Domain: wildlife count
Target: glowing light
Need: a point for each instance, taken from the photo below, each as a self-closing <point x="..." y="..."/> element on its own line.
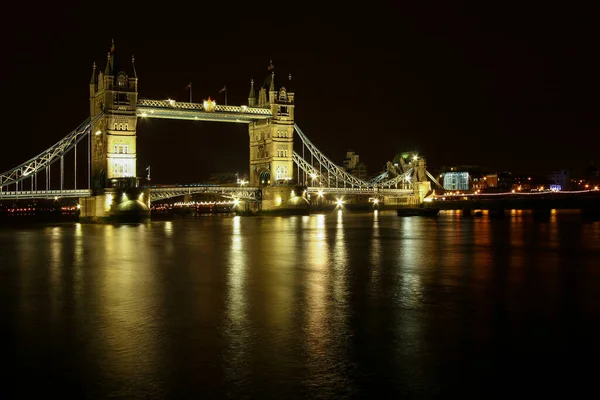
<point x="375" y="201"/>
<point x="109" y="199"/>
<point x="340" y="201"/>
<point x="78" y="206"/>
<point x="171" y="102"/>
<point x="236" y="202"/>
<point x="55" y="197"/>
<point x="244" y="108"/>
<point x="143" y="115"/>
<point x="209" y="105"/>
<point x="141" y="197"/>
<point x="278" y="201"/>
<point x="314" y="176"/>
<point x="98" y="133"/>
<point x="320" y="193"/>
<point x="415" y="157"/>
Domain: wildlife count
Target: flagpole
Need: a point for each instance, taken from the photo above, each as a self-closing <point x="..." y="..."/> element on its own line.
<point x="225" y="95"/>
<point x="190" y="92"/>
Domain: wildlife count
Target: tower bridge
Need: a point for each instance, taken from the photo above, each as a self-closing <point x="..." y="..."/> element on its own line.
<point x="280" y="178"/>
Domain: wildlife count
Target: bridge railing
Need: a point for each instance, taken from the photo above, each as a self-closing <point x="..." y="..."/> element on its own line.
<point x="45" y="193"/>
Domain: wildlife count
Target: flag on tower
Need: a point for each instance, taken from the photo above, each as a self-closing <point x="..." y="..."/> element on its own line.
<point x="224" y="89"/>
<point x="189" y="86"/>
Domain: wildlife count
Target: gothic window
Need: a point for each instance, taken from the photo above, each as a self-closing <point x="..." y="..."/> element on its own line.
<point x="115" y="126"/>
<point x="126" y="127"/>
<point x="283" y="110"/>
<point x="282" y="95"/>
<point x="122" y="81"/>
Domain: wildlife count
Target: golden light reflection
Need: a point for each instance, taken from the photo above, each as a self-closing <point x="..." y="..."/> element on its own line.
<point x="375" y="249"/>
<point x="317" y="284"/>
<point x="55" y="264"/>
<point x="168" y="228"/>
<point x="412" y="256"/>
<point x="340" y="262"/>
<point x="236" y="275"/>
<point x="483" y="252"/>
<point x="127" y="304"/>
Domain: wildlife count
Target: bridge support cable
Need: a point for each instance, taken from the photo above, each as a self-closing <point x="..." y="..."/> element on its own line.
<point x="378" y="178"/>
<point x="402" y="178"/>
<point x="329" y="165"/>
<point x="44" y="160"/>
<point x="434" y="180"/>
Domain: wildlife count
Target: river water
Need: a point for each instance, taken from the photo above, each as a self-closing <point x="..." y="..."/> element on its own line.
<point x="336" y="305"/>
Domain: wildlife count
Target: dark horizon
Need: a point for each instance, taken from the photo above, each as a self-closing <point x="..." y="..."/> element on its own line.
<point x="506" y="88"/>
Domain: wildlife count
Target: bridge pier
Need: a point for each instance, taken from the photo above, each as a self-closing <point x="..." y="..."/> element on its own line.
<point x="116" y="205"/>
<point x="284" y="200"/>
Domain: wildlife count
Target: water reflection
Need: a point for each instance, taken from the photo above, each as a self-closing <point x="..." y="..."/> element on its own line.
<point x="339" y="261"/>
<point x="283" y="307"/>
<point x="236" y="321"/>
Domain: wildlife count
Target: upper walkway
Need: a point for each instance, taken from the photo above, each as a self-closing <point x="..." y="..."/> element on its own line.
<point x="171" y="109"/>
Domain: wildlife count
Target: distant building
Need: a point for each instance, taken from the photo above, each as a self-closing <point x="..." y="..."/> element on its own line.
<point x="354" y="166"/>
<point x="505" y="180"/>
<point x="492" y="180"/>
<point x="455" y="180"/>
<point x="559" y="179"/>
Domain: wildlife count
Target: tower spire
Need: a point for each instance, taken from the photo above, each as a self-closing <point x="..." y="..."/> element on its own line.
<point x="108" y="69"/>
<point x="252" y="94"/>
<point x="93" y="80"/>
<point x="272" y="86"/>
<point x="133" y="66"/>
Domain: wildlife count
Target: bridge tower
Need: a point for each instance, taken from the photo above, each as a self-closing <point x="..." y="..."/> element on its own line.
<point x="271" y="141"/>
<point x="114" y="92"/>
<point x="115" y="188"/>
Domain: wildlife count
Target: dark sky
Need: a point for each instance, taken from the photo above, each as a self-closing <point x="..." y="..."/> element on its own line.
<point x="508" y="86"/>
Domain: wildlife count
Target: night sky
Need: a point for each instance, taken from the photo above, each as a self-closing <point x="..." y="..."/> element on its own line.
<point x="507" y="86"/>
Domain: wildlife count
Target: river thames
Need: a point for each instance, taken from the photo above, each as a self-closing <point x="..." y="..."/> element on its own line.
<point x="334" y="305"/>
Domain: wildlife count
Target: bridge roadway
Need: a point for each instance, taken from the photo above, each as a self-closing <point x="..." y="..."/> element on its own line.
<point x="517" y="201"/>
<point x="171" y="109"/>
<point x="164" y="192"/>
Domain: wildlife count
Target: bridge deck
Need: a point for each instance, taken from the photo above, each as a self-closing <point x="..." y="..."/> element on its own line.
<point x="171" y="109"/>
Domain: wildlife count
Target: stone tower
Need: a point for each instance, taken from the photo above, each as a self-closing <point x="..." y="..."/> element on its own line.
<point x="114" y="92"/>
<point x="271" y="141"/>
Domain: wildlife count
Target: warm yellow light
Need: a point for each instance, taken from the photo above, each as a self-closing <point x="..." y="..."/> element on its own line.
<point x="320" y="193"/>
<point x="415" y="157"/>
<point x="314" y="176"/>
<point x="209" y="105"/>
<point x="278" y="201"/>
<point x="143" y="115"/>
<point x="375" y="201"/>
<point x="78" y="206"/>
<point x="141" y="197"/>
<point x="236" y="202"/>
<point x="98" y="133"/>
<point x="340" y="202"/>
<point x="244" y="108"/>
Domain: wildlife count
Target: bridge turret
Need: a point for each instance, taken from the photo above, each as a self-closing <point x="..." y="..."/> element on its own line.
<point x="93" y="88"/>
<point x="252" y="95"/>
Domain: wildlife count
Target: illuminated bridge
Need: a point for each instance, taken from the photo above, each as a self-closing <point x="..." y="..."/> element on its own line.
<point x="100" y="155"/>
